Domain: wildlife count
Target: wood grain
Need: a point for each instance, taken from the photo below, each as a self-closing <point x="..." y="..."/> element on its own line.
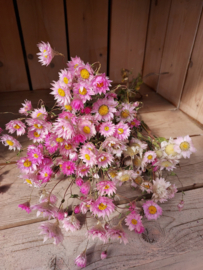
<point x="13" y="75"/>
<point x="155" y="40"/>
<point x="192" y="99"/>
<point x="182" y="26"/>
<point x="128" y="35"/>
<point x="87" y="28"/>
<point x="166" y="243"/>
<point x="43" y="20"/>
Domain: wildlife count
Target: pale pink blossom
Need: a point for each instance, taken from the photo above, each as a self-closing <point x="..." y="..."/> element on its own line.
<point x="16" y="126"/>
<point x="52" y="230"/>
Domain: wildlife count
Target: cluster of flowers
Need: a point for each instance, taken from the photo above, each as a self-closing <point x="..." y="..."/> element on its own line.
<point x="93" y="141"/>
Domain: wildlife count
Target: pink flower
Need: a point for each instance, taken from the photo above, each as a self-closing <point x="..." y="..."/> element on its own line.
<point x="126" y="113"/>
<point x="68" y="147"/>
<point x="68" y="167"/>
<point x="61" y="93"/>
<point x="77" y="209"/>
<point x="103" y="255"/>
<point x="36" y="136"/>
<point x="102" y="207"/>
<point x="180" y="205"/>
<point x="146" y="186"/>
<point x="104" y="159"/>
<point x="85" y="188"/>
<point x="86" y="128"/>
<point x="16" y="125"/>
<point x="74" y="64"/>
<point x="149" y="157"/>
<point x="47" y="209"/>
<point x="26" y="165"/>
<point x="185" y="145"/>
<point x="84" y="71"/>
<point x="27" y="106"/>
<point x="47" y="197"/>
<point x="98" y="231"/>
<point x="134" y="222"/>
<point x="45" y="174"/>
<point x="52" y="230"/>
<point x="79" y="138"/>
<point x="104" y="109"/>
<point x="46" y="53"/>
<point x="83" y="90"/>
<point x="106" y="188"/>
<point x="51" y="143"/>
<point x="171" y="191"/>
<point x="25" y="206"/>
<point x="65" y="78"/>
<point x="79" y="182"/>
<point x="114" y="146"/>
<point x="107" y="129"/>
<point x="81" y="260"/>
<point x="77" y="104"/>
<point x="88" y="157"/>
<point x="82" y="170"/>
<point x="118" y="234"/>
<point x="122" y="131"/>
<point x="35" y="154"/>
<point x="159" y="189"/>
<point x="11" y="142"/>
<point x="71" y="224"/>
<point x="38" y="125"/>
<point x="40" y="114"/>
<point x="134" y="123"/>
<point x="64" y="129"/>
<point x="86" y="110"/>
<point x="101" y="84"/>
<point x="1" y="130"/>
<point x="59" y="215"/>
<point x="152" y="210"/>
<point x="85" y="205"/>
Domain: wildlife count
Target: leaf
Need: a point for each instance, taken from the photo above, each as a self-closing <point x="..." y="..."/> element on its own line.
<point x="161" y="139"/>
<point x="74" y="196"/>
<point x="172" y="174"/>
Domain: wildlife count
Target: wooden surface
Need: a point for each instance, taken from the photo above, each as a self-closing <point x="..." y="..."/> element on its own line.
<point x="158" y="20"/>
<point x="12" y="67"/>
<point x="87" y="28"/>
<point x="128" y="35"/>
<point x="174" y="241"/>
<point x="192" y="98"/>
<point x="43" y="21"/>
<point x="183" y="22"/>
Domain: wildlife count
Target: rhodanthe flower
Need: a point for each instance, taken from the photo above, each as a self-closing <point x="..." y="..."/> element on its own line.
<point x="27" y="106"/>
<point x="71" y="224"/>
<point x="185" y="145"/>
<point x="98" y="231"/>
<point x="152" y="210"/>
<point x="46" y="53"/>
<point x="102" y="207"/>
<point x="16" y="126"/>
<point x="104" y="109"/>
<point x="106" y="188"/>
<point x="134" y="222"/>
<point x="52" y="230"/>
<point x="81" y="260"/>
<point x="11" y="142"/>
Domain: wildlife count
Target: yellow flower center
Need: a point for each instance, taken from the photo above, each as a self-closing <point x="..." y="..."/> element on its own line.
<point x="68" y="167"/>
<point x="87" y="156"/>
<point x="132" y="123"/>
<point x="65" y="79"/>
<point x="146" y="186"/>
<point x="29" y="181"/>
<point x="27" y="163"/>
<point x="39" y="114"/>
<point x="103" y="158"/>
<point x="106" y="128"/>
<point x="36" y="134"/>
<point x="61" y="92"/>
<point x="102" y="206"/>
<point x="134" y="221"/>
<point x="106" y="187"/>
<point x="38" y="126"/>
<point x="46" y="174"/>
<point x="86" y="129"/>
<point x="170" y="150"/>
<point x="125" y="177"/>
<point x="138" y="180"/>
<point x="152" y="209"/>
<point x="103" y="110"/>
<point x="184" y="146"/>
<point x="84" y="73"/>
<point x="83" y="170"/>
<point x="45" y="55"/>
<point x="119" y="236"/>
<point x="60" y="140"/>
<point x="9" y="142"/>
<point x="75" y="65"/>
<point x="150" y="157"/>
<point x="120" y="130"/>
<point x="83" y="91"/>
<point x="68" y="107"/>
<point x="100" y="84"/>
<point x="16" y="126"/>
<point x="35" y="155"/>
<point x="68" y="146"/>
<point x="113" y="174"/>
<point x="125" y="114"/>
<point x="87" y="205"/>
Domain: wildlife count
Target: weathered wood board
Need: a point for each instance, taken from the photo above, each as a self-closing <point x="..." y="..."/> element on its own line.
<point x="183" y="22"/>
<point x="87" y="28"/>
<point x="13" y="75"/>
<point x="174" y="240"/>
<point x="43" y="20"/>
<point x="128" y="37"/>
<point x="158" y="19"/>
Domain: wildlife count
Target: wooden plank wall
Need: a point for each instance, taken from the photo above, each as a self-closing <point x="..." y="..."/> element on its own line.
<point x="148" y="36"/>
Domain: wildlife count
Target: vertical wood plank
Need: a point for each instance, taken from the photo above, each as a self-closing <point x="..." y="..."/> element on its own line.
<point x="43" y="20"/>
<point x="87" y="27"/>
<point x="128" y="34"/>
<point x="13" y="75"/>
<point x="155" y="40"/>
<point x="182" y="25"/>
<point x="192" y="98"/>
